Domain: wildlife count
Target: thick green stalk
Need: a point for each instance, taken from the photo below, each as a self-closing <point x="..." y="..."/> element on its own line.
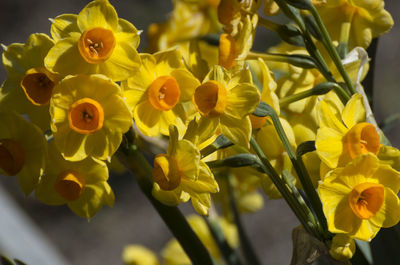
<point x="299" y="167"/>
<point x="327" y="41"/>
<point x="282" y="188"/>
<point x="131" y="157"/>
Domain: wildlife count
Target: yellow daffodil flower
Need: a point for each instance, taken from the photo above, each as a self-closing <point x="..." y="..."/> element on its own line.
<point x="29" y="85"/>
<point x="361" y="198"/>
<point x="94" y="42"/>
<point x="180" y="175"/>
<point x="22" y="150"/>
<point x="343" y="134"/>
<point x="81" y="185"/>
<point x="161" y="93"/>
<point x="225" y="102"/>
<point x="355" y="21"/>
<point x="138" y="255"/>
<point x="88" y="117"/>
<point x="173" y="254"/>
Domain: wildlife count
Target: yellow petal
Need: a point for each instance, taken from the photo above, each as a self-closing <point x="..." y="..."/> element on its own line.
<point x="329" y="116"/>
<point x="123" y="62"/>
<point x="187" y="157"/>
<point x="243" y="99"/>
<point x="389" y="213"/>
<point x="147" y="118"/>
<point x="63" y="25"/>
<point x="98" y="13"/>
<point x="354" y="111"/>
<point x="236" y="130"/>
<point x="170" y="198"/>
<point x="329" y="146"/>
<point x="187" y="83"/>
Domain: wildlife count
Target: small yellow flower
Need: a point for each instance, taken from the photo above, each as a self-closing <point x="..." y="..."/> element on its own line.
<point x="94" y="42"/>
<point x="180" y="175"/>
<point x="173" y="254"/>
<point x="363" y="19"/>
<point x="343" y="134"/>
<point x="161" y="93"/>
<point x="225" y="102"/>
<point x="89" y="116"/>
<point x="29" y="85"/>
<point x="361" y="198"/>
<point x="22" y="150"/>
<point x="81" y="185"/>
<point x="138" y="255"/>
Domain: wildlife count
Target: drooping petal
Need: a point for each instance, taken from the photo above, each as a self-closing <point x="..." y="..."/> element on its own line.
<point x="236" y="130"/>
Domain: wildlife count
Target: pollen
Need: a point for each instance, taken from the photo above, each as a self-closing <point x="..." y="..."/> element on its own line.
<point x="70" y="185"/>
<point x="366" y="199"/>
<point x="96" y="45"/>
<point x="362" y="138"/>
<point x="86" y="116"/>
<point x="164" y="93"/>
<point x="166" y="172"/>
<point x="12" y="156"/>
<point x="38" y="84"/>
<point x="210" y="99"/>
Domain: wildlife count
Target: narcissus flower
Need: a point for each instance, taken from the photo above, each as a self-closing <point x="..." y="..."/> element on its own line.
<point x="225" y="102"/>
<point x="361" y="198"/>
<point x="29" y="85"/>
<point x="81" y="185"/>
<point x="361" y="20"/>
<point x="161" y="93"/>
<point x="180" y="175"/>
<point x="22" y="150"/>
<point x="173" y="254"/>
<point x="94" y="42"/>
<point x="343" y="134"/>
<point x="88" y="117"/>
<point x="139" y="255"/>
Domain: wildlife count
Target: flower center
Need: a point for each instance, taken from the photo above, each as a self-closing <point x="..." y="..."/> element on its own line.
<point x="38" y="84"/>
<point x="366" y="199"/>
<point x="12" y="156"/>
<point x="70" y="185"/>
<point x="227" y="51"/>
<point x="96" y="45"/>
<point x="210" y="99"/>
<point x="86" y="116"/>
<point x="164" y="93"/>
<point x="166" y="172"/>
<point x="362" y="138"/>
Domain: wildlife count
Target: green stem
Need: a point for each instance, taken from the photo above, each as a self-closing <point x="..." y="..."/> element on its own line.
<point x="319" y="89"/>
<point x="172" y="216"/>
<point x="282" y="188"/>
<point x="327" y="41"/>
<point x="268" y="24"/>
<point x="227" y="252"/>
<point x="299" y="60"/>
<point x="300" y="169"/>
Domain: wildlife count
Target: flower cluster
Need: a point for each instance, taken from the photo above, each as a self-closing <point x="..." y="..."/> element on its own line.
<point x="294" y="121"/>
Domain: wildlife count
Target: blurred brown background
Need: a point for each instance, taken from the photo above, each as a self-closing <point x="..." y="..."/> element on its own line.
<point x="132" y="220"/>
